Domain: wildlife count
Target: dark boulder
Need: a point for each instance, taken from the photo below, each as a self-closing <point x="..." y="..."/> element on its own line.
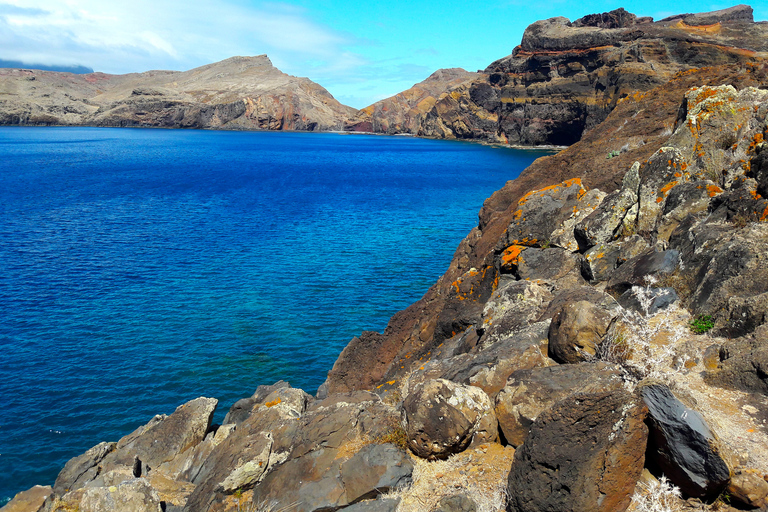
<point x="374" y="470"/>
<point x="443" y="418"/>
<point x="584" y="454"/>
<point x="577" y="331"/>
<point x="682" y="445"/>
<point x="660" y="298"/>
<point x="456" y="503"/>
<point x="529" y="393"/>
<point x="636" y="272"/>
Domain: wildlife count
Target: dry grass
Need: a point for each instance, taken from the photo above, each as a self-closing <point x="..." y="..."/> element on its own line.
<point x="478" y="473"/>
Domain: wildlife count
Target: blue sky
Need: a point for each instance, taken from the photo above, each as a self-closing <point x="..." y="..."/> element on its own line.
<point x="361" y="51"/>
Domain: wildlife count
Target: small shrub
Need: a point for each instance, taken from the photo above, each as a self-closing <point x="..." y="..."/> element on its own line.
<point x="394" y="434"/>
<point x="613" y="154"/>
<point x="657" y="496"/>
<point x="702" y="324"/>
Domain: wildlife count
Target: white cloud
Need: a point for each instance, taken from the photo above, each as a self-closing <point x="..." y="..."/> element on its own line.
<point x="120" y="37"/>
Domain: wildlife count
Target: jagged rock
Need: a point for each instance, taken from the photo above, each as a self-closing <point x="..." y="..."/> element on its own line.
<point x="635" y="272"/>
<point x="659" y="298"/>
<point x="561" y="268"/>
<point x="456" y="503"/>
<point x="578" y="294"/>
<point x="443" y="418"/>
<point x="742" y="363"/>
<point x="135" y="495"/>
<point x="188" y="465"/>
<point x="84" y="468"/>
<point x="615" y="214"/>
<point x="584" y="454"/>
<point x="241" y="409"/>
<point x="488" y="366"/>
<point x="529" y="393"/>
<point x="513" y="306"/>
<point x="748" y="488"/>
<point x="540" y="213"/>
<point x="31" y="500"/>
<point x="375" y="470"/>
<point x="682" y="445"/>
<point x="726" y="273"/>
<point x="576" y="332"/>
<point x="165" y="437"/>
<point x="683" y="200"/>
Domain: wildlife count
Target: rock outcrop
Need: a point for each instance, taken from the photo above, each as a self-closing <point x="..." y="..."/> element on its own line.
<point x="561" y="363"/>
<point x="566" y="77"/>
<point x="240" y="93"/>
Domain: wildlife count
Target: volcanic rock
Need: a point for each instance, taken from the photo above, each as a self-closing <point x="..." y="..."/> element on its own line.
<point x="584" y="454"/>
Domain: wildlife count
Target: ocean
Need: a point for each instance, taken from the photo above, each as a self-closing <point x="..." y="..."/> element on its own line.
<point x="142" y="268"/>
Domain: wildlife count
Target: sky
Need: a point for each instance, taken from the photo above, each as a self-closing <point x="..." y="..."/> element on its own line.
<point x="360" y="50"/>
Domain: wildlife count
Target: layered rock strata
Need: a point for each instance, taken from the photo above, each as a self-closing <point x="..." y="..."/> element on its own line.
<point x="566" y="77"/>
<point x="240" y="93"/>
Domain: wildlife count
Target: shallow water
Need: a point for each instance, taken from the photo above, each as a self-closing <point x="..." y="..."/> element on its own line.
<point x="140" y="269"/>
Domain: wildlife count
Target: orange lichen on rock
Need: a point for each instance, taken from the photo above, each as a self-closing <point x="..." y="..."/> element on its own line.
<point x="511" y="255"/>
<point x="756" y="140"/>
<point x="713" y="190"/>
<point x="663" y="191"/>
<point x="274" y="402"/>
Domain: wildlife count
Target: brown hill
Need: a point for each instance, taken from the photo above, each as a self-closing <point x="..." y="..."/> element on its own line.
<point x="566" y="77"/>
<point x="246" y="93"/>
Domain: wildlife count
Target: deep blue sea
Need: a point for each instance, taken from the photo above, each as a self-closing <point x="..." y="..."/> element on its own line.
<point x="140" y="269"/>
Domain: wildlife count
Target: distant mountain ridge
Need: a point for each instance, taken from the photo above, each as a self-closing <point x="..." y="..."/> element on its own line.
<point x="240" y="93"/>
<point x="566" y="77"/>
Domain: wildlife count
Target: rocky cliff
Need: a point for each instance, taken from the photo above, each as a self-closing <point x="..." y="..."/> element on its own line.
<point x="565" y="77"/>
<point x="597" y="344"/>
<point x="240" y="93"/>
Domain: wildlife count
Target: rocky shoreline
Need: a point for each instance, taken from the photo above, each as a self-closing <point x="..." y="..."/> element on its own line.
<point x="597" y="344"/>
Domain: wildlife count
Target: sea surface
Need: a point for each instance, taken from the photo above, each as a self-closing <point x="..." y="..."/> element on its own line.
<point x="140" y="268"/>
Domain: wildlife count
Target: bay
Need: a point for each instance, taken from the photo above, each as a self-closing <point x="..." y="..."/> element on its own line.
<point x="141" y="268"/>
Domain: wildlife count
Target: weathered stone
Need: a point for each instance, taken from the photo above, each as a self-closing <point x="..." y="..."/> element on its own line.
<point x="602" y="259"/>
<point x="165" y="437"/>
<point x="616" y="213"/>
<point x="741" y="363"/>
<point x="488" y="366"/>
<point x="79" y="470"/>
<point x="188" y="465"/>
<point x="443" y="418"/>
<point x="31" y="500"/>
<point x="134" y="495"/>
<point x="378" y="505"/>
<point x="585" y="454"/>
<point x="727" y="273"/>
<point x="682" y="445"/>
<point x="456" y="503"/>
<point x="576" y="332"/>
<point x="660" y="298"/>
<point x="513" y="306"/>
<point x="562" y="268"/>
<point x="529" y="393"/>
<point x="374" y="470"/>
<point x="243" y="407"/>
<point x="748" y="488"/>
<point x="250" y="471"/>
<point x="540" y="213"/>
<point x="635" y="272"/>
<point x="683" y="200"/>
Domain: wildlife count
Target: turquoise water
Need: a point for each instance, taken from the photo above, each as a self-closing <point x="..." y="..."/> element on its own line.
<point x="140" y="269"/>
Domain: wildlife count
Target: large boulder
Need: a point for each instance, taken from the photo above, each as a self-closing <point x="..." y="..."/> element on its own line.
<point x="742" y="363"/>
<point x="443" y="418"/>
<point x="584" y="454"/>
<point x="651" y="264"/>
<point x="82" y="469"/>
<point x="529" y="393"/>
<point x="577" y="331"/>
<point x="683" y="446"/>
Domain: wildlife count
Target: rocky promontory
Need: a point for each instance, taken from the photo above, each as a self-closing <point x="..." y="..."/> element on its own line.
<point x="240" y="93"/>
<point x="565" y="77"/>
<point x="598" y="343"/>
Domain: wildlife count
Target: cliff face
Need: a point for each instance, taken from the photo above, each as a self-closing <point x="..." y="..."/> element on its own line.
<point x="580" y="336"/>
<point x="245" y="93"/>
<point x="565" y="77"/>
